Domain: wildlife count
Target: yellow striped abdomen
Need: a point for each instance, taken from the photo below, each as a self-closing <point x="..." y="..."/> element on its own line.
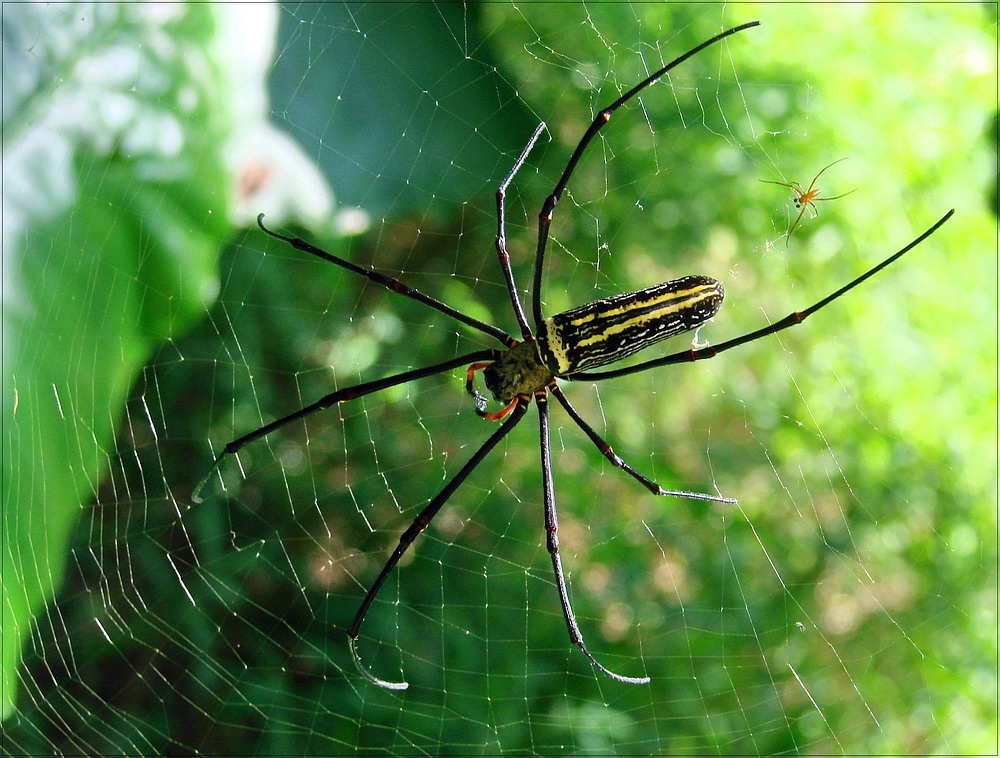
<point x="608" y="330"/>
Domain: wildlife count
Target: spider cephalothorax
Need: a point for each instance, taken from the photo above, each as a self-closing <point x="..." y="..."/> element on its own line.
<point x="565" y="346"/>
<point x="519" y="371"/>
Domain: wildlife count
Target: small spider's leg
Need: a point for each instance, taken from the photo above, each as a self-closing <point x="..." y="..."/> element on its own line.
<point x="780" y="184"/>
<point x="820" y="173"/>
<point x="795" y="223"/>
<point x="340" y="396"/>
<point x="836" y="197"/>
<point x="616" y="460"/>
<point x="801" y="201"/>
<point x="552" y="545"/>
<point x="419" y="524"/>
<point x="602" y="118"/>
<point x="501" y="239"/>
<point x="791" y="319"/>
<point x="390" y="283"/>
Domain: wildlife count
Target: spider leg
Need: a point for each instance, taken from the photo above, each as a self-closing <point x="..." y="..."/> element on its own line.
<point x="820" y="173"/>
<point x="835" y="197"/>
<point x="791" y="319"/>
<point x="795" y="223"/>
<point x="616" y="460"/>
<point x="501" y="239"/>
<point x="552" y="544"/>
<point x="793" y="186"/>
<point x="340" y="396"/>
<point x="390" y="283"/>
<point x="545" y="216"/>
<point x="419" y="524"/>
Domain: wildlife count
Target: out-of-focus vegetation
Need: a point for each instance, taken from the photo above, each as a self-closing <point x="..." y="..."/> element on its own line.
<point x="113" y="167"/>
<point x="847" y="604"/>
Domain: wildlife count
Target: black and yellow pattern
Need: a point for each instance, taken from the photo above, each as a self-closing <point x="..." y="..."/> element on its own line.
<point x="608" y="330"/>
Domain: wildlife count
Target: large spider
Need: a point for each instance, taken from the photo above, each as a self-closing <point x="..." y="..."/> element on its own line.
<point x="565" y="346"/>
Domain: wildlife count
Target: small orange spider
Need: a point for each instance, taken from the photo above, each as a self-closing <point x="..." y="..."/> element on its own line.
<point x="804" y="198"/>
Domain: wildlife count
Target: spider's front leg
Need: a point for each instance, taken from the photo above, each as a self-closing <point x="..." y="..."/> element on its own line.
<point x="600" y="121"/>
<point x="501" y="238"/>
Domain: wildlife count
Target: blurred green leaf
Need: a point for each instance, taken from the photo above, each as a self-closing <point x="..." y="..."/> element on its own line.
<point x="114" y="203"/>
<point x="400" y="104"/>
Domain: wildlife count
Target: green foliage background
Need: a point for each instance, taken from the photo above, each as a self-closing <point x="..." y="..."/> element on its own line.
<point x="848" y="604"/>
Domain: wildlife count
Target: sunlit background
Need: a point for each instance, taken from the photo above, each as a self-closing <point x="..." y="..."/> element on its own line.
<point x="846" y="604"/>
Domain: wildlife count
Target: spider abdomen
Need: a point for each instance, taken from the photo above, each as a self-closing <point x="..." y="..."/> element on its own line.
<point x="608" y="330"/>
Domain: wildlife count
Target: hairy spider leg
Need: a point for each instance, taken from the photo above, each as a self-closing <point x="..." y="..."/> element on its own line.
<point x="545" y="216"/>
<point x="416" y="527"/>
<point x="796" y="317"/>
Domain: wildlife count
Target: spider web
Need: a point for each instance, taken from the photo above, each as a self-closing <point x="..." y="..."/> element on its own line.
<point x="847" y="604"/>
